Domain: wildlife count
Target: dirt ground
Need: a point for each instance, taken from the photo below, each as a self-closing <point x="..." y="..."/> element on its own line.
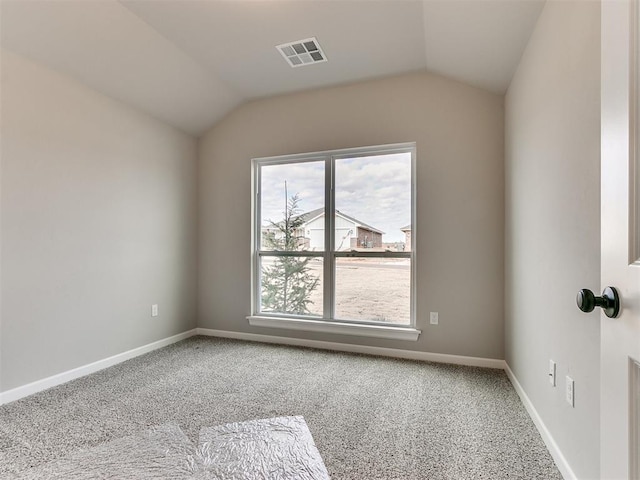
<point x="375" y="289"/>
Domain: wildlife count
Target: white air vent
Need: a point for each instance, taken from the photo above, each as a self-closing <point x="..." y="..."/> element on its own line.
<point x="302" y="52"/>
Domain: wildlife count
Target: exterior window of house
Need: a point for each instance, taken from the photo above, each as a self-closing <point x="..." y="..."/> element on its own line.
<point x="332" y="236"/>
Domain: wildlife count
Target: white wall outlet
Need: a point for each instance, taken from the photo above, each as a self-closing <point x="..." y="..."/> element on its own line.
<point x="433" y="318"/>
<point x="154" y="310"/>
<point x="570" y="391"/>
<point x="552" y="373"/>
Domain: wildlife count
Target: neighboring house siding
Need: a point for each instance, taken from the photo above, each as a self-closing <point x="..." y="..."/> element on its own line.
<point x="367" y="239"/>
<point x="407" y="238"/>
<point x="303" y="241"/>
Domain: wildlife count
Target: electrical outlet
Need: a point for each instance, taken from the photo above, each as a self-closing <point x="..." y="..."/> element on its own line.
<point x="570" y="391"/>
<point x="433" y="318"/>
<point x="552" y="373"/>
<point x="154" y="310"/>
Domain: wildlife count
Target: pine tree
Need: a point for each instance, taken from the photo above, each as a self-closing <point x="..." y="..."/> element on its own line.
<point x="288" y="283"/>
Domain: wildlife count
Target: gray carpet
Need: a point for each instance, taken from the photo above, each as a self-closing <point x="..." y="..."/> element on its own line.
<point x="370" y="417"/>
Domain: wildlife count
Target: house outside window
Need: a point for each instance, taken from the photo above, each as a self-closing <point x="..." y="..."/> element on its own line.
<point x="330" y="237"/>
<point x="350" y="233"/>
<point x="407" y="237"/>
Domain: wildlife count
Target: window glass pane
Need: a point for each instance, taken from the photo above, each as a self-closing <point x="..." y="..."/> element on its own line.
<point x="291" y="285"/>
<point x="373" y="202"/>
<point x="292" y="207"/>
<point x="373" y="289"/>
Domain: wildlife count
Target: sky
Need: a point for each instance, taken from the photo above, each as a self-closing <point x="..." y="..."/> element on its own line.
<point x="375" y="190"/>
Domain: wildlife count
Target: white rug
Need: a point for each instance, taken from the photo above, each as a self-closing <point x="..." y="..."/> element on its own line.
<point x="274" y="448"/>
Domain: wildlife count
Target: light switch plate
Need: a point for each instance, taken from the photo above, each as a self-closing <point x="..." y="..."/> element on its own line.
<point x="552" y="373"/>
<point x="570" y="392"/>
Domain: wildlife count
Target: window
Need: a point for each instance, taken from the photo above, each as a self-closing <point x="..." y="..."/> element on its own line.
<point x="332" y="240"/>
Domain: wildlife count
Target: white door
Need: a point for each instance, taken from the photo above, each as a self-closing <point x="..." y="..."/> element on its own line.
<point x="620" y="255"/>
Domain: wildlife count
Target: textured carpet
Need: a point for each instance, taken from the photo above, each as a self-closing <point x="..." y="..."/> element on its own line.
<point x="370" y="417"/>
<point x="279" y="447"/>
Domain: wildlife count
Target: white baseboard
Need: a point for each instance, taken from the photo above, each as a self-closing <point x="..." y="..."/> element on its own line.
<point x="39" y="385"/>
<point x="348" y="347"/>
<point x="552" y="446"/>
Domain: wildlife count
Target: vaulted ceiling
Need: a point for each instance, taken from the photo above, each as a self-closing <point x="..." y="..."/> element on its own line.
<point x="189" y="62"/>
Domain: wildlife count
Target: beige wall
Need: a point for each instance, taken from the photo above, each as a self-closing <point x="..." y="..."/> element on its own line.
<point x="98" y="222"/>
<point x="553" y="223"/>
<point x="460" y="191"/>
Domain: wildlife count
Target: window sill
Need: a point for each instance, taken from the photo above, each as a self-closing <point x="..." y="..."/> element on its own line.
<point x="361" y="330"/>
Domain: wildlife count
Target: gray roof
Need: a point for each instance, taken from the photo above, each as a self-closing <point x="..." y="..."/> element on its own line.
<point x="408" y="227"/>
<point x="308" y="216"/>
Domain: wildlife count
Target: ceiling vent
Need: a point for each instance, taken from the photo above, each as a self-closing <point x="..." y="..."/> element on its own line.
<point x="302" y="52"/>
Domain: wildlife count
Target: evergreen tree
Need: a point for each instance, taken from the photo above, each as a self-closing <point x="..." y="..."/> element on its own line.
<point x="288" y="283"/>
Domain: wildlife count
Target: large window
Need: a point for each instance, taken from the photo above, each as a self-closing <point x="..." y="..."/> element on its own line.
<point x="333" y="236"/>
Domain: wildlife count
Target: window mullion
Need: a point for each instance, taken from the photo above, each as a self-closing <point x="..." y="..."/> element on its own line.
<point x="257" y="232"/>
<point x="328" y="240"/>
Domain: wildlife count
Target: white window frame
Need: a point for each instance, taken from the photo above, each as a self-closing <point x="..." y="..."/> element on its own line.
<point x="327" y="323"/>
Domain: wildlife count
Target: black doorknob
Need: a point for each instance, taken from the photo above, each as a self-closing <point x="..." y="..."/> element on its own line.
<point x="609" y="301"/>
